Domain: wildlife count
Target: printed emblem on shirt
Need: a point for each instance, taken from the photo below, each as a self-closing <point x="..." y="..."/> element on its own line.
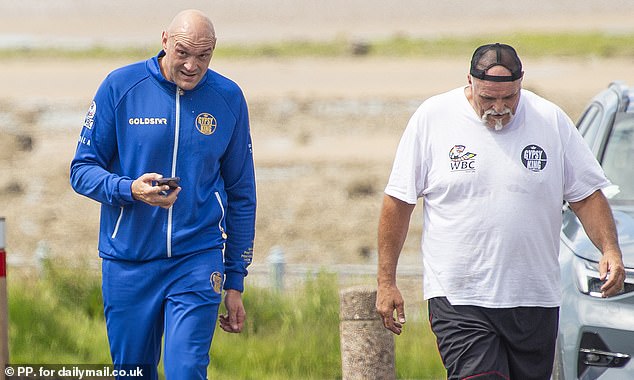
<point x="206" y="123"/>
<point x="90" y="116"/>
<point x="216" y="281"/>
<point x="461" y="159"/>
<point x="534" y="158"/>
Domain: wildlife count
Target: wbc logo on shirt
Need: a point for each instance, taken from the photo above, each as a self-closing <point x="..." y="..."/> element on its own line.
<point x="461" y="159"/>
<point x="90" y="116"/>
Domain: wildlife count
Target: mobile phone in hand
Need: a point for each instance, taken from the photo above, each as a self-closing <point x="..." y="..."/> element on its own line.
<point x="172" y="182"/>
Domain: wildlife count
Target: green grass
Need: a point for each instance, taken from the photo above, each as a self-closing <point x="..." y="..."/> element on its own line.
<point x="580" y="44"/>
<point x="528" y="45"/>
<point x="57" y="319"/>
<point x="286" y="336"/>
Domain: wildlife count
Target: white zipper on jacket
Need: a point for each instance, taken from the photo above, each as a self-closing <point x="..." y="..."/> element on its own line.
<point x="222" y="217"/>
<point x="116" y="226"/>
<point x="179" y="92"/>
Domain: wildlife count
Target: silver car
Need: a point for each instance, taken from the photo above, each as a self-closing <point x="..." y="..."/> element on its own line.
<point x="596" y="335"/>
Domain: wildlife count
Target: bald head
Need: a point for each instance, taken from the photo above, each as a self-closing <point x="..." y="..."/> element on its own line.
<point x="188" y="42"/>
<point x="192" y="27"/>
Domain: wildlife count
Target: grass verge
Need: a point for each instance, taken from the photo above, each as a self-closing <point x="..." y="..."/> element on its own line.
<point x="579" y="44"/>
<point x="58" y="319"/>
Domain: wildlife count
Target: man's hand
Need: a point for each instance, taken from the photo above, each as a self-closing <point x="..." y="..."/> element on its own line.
<point x="612" y="263"/>
<point x="388" y="300"/>
<point x="233" y="321"/>
<point x="143" y="190"/>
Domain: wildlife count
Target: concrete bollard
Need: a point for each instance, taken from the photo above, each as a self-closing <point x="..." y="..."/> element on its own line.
<point x="277" y="264"/>
<point x="42" y="253"/>
<point x="367" y="348"/>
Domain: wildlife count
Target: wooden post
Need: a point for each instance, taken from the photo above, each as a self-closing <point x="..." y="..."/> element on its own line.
<point x="367" y="348"/>
<point x="4" y="313"/>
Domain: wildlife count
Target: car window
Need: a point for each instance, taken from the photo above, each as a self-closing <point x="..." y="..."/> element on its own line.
<point x="589" y="124"/>
<point x="618" y="157"/>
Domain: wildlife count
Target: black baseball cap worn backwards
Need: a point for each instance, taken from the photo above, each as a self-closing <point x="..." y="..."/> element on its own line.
<point x="487" y="56"/>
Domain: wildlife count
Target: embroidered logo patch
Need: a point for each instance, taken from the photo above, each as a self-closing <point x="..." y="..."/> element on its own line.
<point x="216" y="281"/>
<point x="534" y="158"/>
<point x="461" y="159"/>
<point x="90" y="116"/>
<point x="206" y="123"/>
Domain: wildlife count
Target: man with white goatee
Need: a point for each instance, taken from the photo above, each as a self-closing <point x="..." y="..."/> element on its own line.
<point x="493" y="164"/>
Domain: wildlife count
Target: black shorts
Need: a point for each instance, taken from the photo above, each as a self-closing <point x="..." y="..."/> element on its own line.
<point x="484" y="343"/>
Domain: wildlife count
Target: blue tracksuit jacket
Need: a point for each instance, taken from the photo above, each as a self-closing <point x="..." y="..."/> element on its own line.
<point x="140" y="123"/>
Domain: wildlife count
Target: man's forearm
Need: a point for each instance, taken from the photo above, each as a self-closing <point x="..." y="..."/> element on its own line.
<point x="596" y="217"/>
<point x="393" y="226"/>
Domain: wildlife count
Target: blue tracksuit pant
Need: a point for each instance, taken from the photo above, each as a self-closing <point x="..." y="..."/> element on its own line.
<point x="178" y="296"/>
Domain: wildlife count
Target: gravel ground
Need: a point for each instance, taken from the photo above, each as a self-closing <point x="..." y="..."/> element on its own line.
<point x="324" y="130"/>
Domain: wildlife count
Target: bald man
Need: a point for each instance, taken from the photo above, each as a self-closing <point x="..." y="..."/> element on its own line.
<point x="170" y="248"/>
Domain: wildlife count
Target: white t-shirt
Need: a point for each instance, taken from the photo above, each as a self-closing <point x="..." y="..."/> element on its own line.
<point x="492" y="199"/>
